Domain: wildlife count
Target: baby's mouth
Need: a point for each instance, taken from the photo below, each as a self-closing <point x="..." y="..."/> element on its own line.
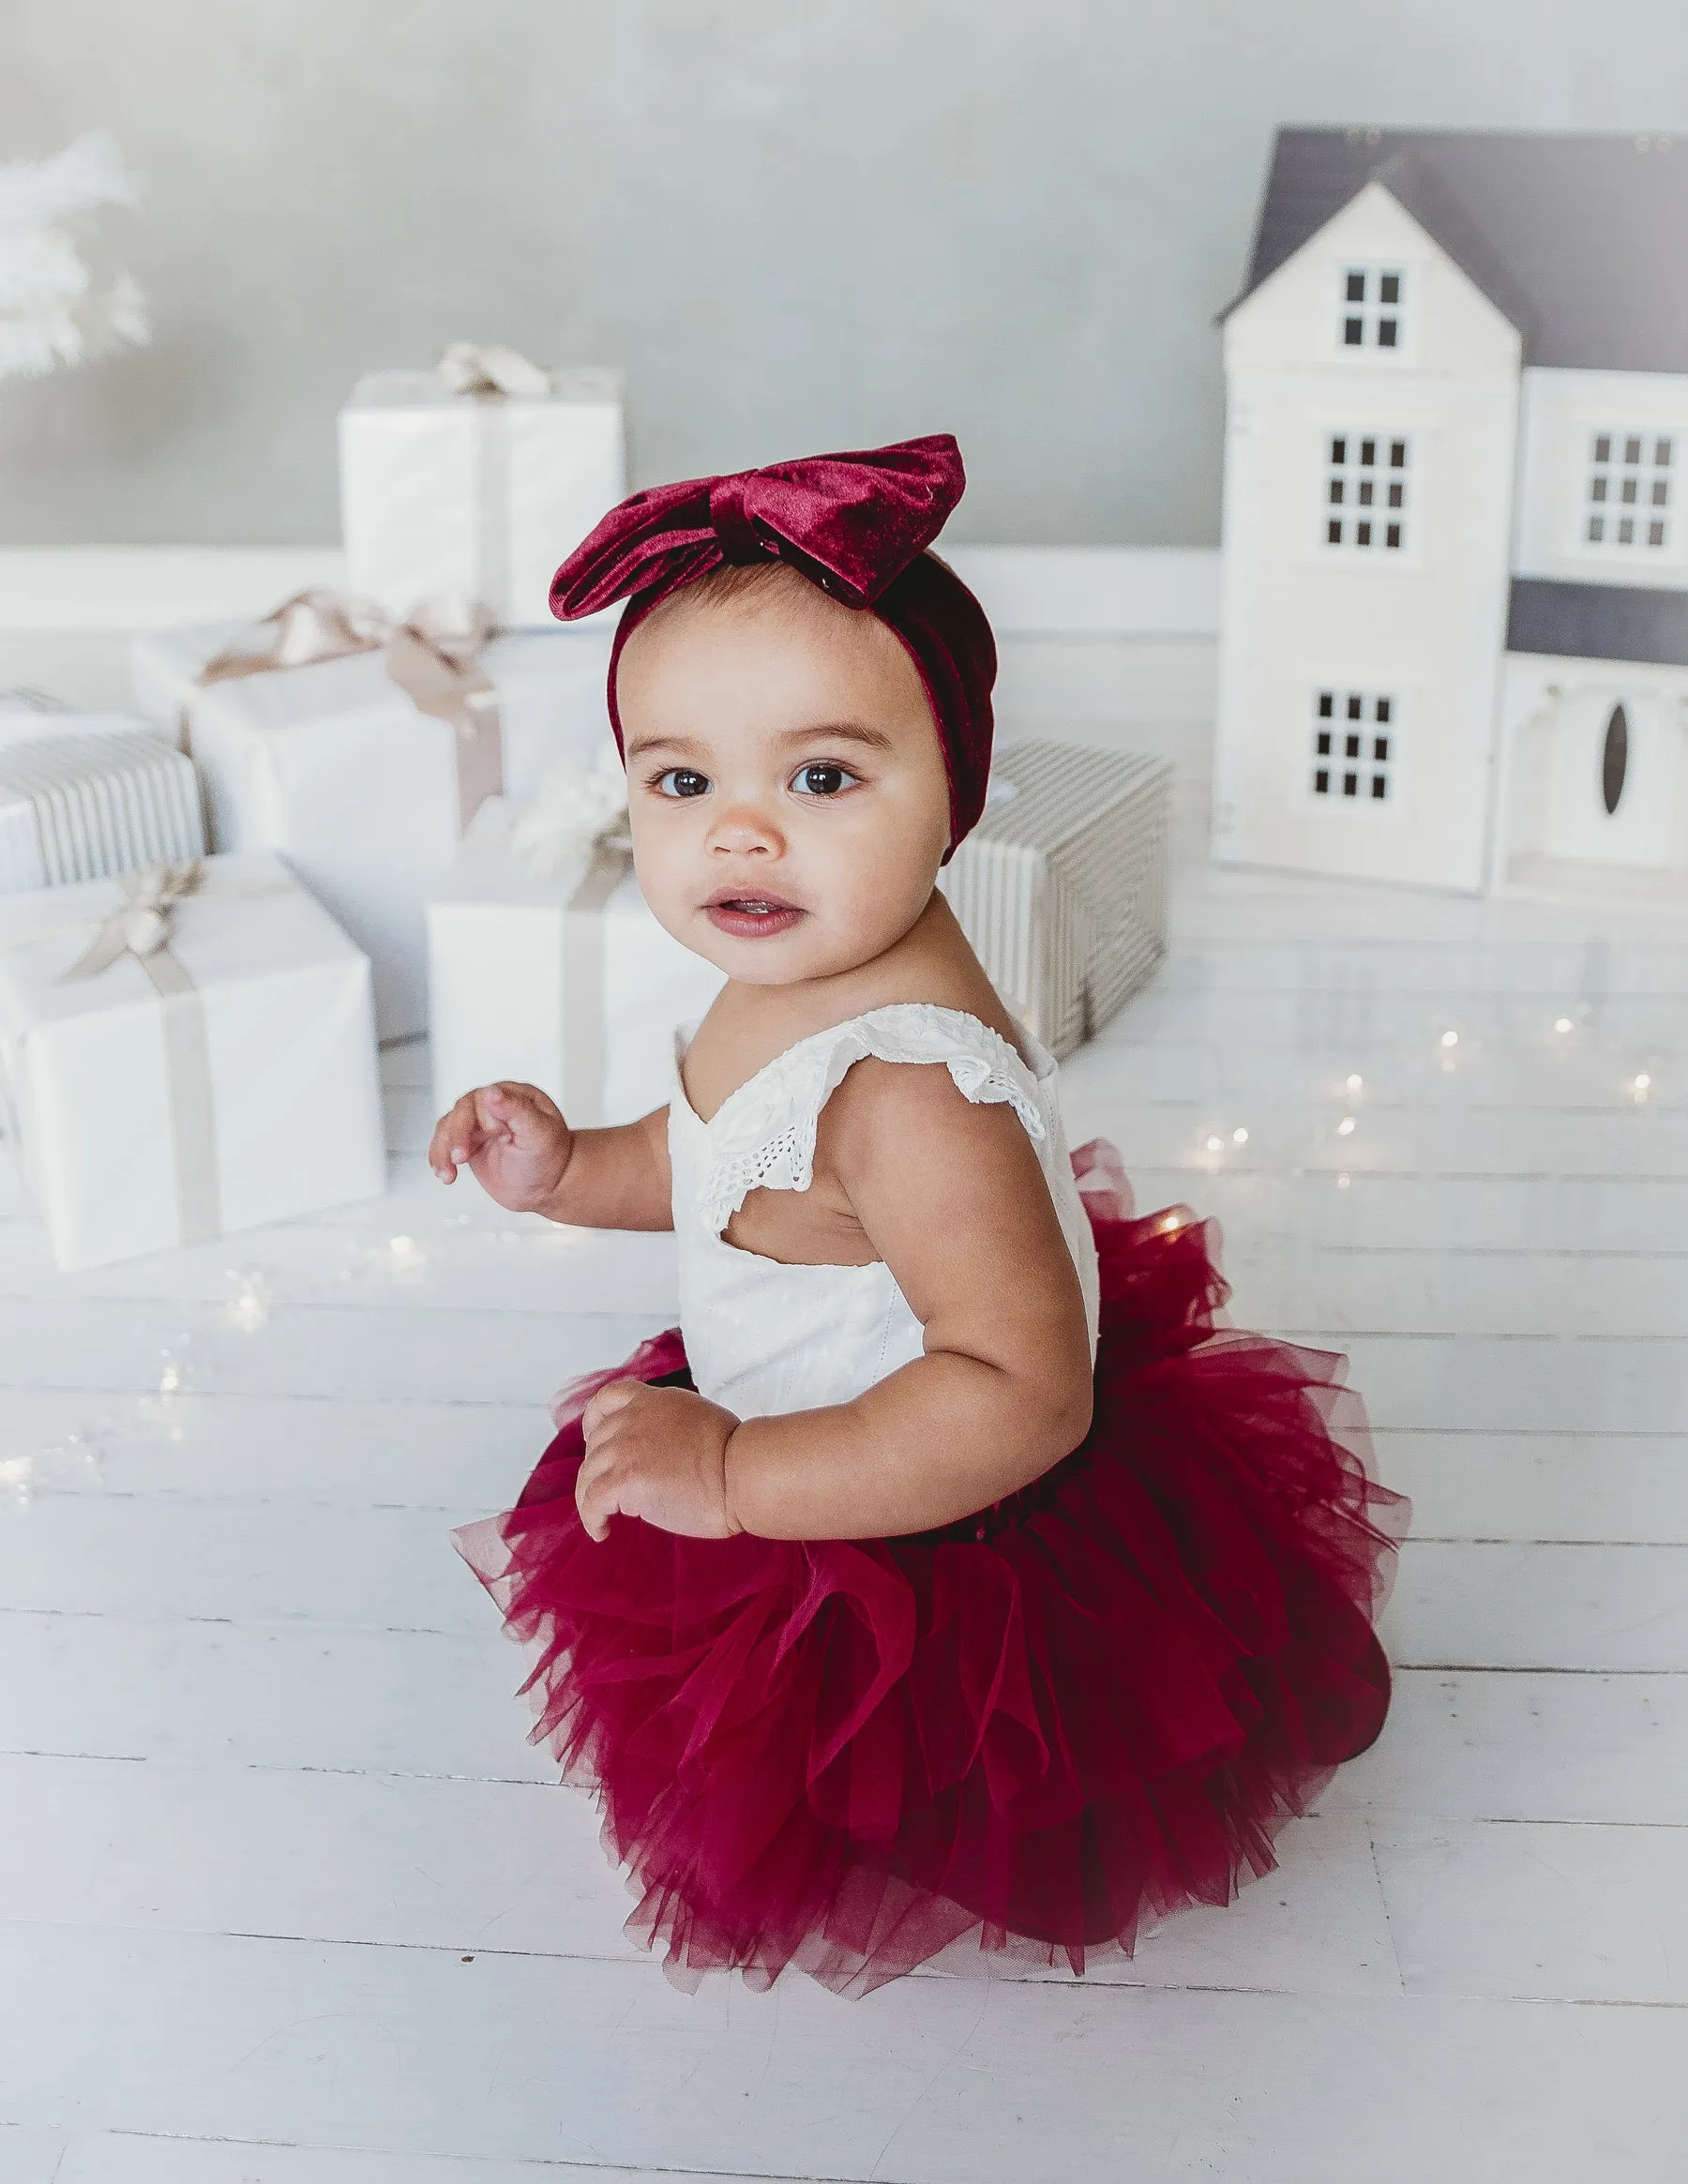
<point x="750" y="915"/>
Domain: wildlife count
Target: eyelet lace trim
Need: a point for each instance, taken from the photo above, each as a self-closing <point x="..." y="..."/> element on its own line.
<point x="763" y="1136"/>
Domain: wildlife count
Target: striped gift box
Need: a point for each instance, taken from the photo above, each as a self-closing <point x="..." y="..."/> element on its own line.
<point x="1062" y="887"/>
<point x="90" y="801"/>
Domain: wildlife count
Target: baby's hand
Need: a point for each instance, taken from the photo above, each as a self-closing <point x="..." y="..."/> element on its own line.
<point x="656" y="1453"/>
<point x="511" y="1139"/>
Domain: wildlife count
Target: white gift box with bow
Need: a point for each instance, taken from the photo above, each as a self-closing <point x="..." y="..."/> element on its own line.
<point x="335" y="766"/>
<point x="476" y="479"/>
<point x="188" y="1052"/>
<point x="548" y="967"/>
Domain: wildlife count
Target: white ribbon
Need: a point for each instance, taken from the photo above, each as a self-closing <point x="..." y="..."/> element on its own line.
<point x="489" y="368"/>
<point x="433" y="657"/>
<point x="576" y="810"/>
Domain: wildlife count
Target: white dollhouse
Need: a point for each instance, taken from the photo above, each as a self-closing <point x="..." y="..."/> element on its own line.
<point x="1455" y="593"/>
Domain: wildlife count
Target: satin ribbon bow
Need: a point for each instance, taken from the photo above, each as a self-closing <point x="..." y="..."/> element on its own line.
<point x="433" y="657"/>
<point x="140" y="925"/>
<point x="489" y="368"/>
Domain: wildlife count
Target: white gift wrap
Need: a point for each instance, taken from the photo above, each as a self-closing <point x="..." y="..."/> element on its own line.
<point x="1062" y="886"/>
<point x="581" y="1001"/>
<point x="295" y="1094"/>
<point x="85" y="796"/>
<point x="475" y="496"/>
<point x="332" y="765"/>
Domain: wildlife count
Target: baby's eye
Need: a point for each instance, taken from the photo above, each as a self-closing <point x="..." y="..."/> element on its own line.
<point x="681" y="781"/>
<point x="821" y="777"/>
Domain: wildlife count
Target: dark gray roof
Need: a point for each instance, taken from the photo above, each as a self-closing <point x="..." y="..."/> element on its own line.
<point x="1598" y="622"/>
<point x="1582" y="241"/>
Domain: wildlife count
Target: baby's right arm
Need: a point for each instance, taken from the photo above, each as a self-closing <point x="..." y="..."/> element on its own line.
<point x="514" y="1141"/>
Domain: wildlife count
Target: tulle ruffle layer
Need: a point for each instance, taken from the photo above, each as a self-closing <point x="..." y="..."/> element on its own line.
<point x="1085" y="1708"/>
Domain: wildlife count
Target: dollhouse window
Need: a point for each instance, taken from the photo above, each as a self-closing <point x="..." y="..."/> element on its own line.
<point x="1629" y="503"/>
<point x="1366" y="491"/>
<point x="1353" y="747"/>
<point x="1371" y="309"/>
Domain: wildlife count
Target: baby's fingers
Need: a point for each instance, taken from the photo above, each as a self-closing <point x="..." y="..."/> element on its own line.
<point x="604" y="1404"/>
<point x="457" y="1136"/>
<point x="520" y="1111"/>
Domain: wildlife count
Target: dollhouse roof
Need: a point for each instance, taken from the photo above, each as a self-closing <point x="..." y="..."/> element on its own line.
<point x="1577" y="240"/>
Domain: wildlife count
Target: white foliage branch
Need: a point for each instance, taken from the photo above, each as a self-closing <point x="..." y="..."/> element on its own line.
<point x="62" y="301"/>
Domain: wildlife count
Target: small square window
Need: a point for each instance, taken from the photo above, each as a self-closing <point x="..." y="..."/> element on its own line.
<point x="1661" y="492"/>
<point x="1363" y="533"/>
<point x="1596" y="529"/>
<point x="1655" y="535"/>
<point x="1336" y="493"/>
<point x="1368" y="453"/>
<point x="1626" y="532"/>
<point x="1661" y="454"/>
<point x="1353" y="331"/>
<point x="1354" y="484"/>
<point x="1334" y="533"/>
<point x="1628" y="493"/>
<point x="1393" y="535"/>
<point x="1602" y="447"/>
<point x="1397" y="455"/>
<point x="1597" y="489"/>
<point x="1397" y="492"/>
<point x="1338" y="453"/>
<point x="1356" y="288"/>
<point x="1632" y="451"/>
<point x="1386" y="333"/>
<point x="1350" y="765"/>
<point x="1389" y="288"/>
<point x="1366" y="490"/>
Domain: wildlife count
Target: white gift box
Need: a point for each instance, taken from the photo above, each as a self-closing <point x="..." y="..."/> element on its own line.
<point x="1062" y="887"/>
<point x="475" y="496"/>
<point x="567" y="983"/>
<point x="85" y="796"/>
<point x="335" y="767"/>
<point x="228" y="1081"/>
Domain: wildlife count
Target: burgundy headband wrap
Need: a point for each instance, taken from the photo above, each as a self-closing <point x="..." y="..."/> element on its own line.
<point x="855" y="525"/>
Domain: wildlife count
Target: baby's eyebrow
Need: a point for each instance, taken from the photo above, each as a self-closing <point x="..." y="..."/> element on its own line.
<point x="853" y="731"/>
<point x="688" y="746"/>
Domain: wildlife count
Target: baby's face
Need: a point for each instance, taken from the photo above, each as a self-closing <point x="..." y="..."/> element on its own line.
<point x="784" y="785"/>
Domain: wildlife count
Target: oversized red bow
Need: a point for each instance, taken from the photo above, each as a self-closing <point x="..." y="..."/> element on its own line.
<point x="858" y="526"/>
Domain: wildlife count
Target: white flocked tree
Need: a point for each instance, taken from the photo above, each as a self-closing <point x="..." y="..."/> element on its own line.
<point x="63" y="301"/>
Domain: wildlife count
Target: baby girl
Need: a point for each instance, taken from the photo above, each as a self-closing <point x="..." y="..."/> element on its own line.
<point x="948" y="1572"/>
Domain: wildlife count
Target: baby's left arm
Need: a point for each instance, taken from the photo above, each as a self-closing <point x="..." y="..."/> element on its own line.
<point x="952" y="1198"/>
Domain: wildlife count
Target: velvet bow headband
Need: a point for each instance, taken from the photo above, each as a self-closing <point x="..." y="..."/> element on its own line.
<point x="855" y="525"/>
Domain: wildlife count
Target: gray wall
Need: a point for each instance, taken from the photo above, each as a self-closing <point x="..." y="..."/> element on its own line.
<point x="797" y="223"/>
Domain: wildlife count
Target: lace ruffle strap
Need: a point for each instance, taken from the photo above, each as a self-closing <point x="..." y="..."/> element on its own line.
<point x="763" y="1136"/>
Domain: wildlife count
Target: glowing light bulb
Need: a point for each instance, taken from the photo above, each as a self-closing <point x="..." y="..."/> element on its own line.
<point x="1216" y="1145"/>
<point x="169" y="1379"/>
<point x="1354" y="1083"/>
<point x="1346" y="1127"/>
<point x="1343" y="1182"/>
<point x="1562" y="1024"/>
<point x="1239" y="1137"/>
<point x="1643" y="1081"/>
<point x="1450" y="1038"/>
<point x="1171" y="1222"/>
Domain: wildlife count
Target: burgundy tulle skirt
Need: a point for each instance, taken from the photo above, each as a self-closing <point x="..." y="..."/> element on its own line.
<point x="1090" y="1705"/>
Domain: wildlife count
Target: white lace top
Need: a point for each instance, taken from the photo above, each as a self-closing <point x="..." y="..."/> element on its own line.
<point x="765" y="1339"/>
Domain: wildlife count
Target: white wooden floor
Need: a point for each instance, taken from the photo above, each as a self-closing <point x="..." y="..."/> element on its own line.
<point x="285" y="1898"/>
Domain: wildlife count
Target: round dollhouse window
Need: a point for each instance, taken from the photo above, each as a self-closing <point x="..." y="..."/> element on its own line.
<point x="1614" y="758"/>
